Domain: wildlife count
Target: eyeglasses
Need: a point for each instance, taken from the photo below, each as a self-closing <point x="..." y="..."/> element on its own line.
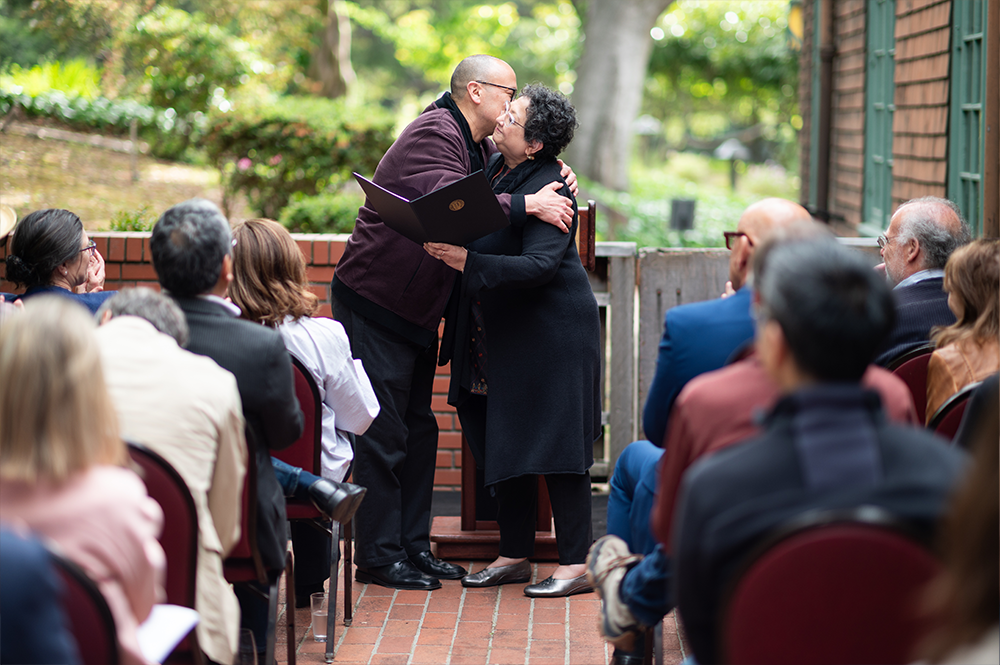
<point x="883" y="240"/>
<point x="735" y="235"/>
<point x="510" y="116"/>
<point x="92" y="248"/>
<point x="512" y="91"/>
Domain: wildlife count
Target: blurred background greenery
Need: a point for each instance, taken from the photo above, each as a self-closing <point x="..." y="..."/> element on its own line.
<point x="283" y="98"/>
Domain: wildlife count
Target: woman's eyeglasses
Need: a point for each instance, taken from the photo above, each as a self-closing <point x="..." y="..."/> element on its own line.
<point x="92" y="248"/>
<point x="509" y="117"/>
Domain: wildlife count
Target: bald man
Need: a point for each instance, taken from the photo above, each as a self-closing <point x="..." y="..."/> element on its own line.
<point x="390" y="297"/>
<point x="700" y="337"/>
<point x="921" y="236"/>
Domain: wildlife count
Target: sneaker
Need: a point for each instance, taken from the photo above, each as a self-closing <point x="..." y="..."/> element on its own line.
<point x="607" y="562"/>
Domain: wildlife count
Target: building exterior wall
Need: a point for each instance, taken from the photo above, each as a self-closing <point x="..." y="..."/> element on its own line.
<point x="847" y="138"/>
<point x="920" y="124"/>
<point x="805" y="98"/>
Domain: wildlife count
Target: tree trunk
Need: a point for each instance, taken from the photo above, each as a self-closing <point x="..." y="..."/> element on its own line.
<point x="608" y="90"/>
<point x="331" y="64"/>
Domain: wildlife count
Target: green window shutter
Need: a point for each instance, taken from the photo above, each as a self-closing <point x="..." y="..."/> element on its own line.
<point x="965" y="130"/>
<point x="879" y="90"/>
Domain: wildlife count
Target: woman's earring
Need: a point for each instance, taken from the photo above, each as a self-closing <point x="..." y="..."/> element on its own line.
<point x="531" y="156"/>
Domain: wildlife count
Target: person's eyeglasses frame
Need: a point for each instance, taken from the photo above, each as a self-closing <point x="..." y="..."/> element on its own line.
<point x="730" y="235"/>
<point x="884" y="240"/>
<point x="92" y="248"/>
<point x="510" y="116"/>
<point x="512" y="91"/>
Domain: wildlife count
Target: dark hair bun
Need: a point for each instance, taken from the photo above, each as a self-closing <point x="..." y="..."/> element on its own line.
<point x="18" y="271"/>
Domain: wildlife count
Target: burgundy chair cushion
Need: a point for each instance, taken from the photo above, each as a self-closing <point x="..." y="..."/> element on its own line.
<point x="842" y="593"/>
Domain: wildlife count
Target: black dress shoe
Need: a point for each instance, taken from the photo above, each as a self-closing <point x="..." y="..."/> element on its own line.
<point x="399" y="575"/>
<point x="429" y="564"/>
<point x="339" y="501"/>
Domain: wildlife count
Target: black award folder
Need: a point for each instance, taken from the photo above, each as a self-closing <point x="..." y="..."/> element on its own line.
<point x="457" y="214"/>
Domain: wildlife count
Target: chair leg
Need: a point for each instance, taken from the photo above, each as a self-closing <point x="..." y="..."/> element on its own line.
<point x="290" y="606"/>
<point x="331" y="616"/>
<point x="272" y="621"/>
<point x="348" y="577"/>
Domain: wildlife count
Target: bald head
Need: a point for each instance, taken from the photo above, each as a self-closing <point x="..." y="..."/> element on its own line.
<point x="476" y="68"/>
<point x="757" y="222"/>
<point x="921" y="236"/>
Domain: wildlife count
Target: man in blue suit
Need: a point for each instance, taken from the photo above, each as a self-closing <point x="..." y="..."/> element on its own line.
<point x="697" y="338"/>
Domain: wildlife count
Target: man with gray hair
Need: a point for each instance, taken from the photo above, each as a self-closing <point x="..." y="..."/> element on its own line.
<point x="921" y="236"/>
<point x="187" y="409"/>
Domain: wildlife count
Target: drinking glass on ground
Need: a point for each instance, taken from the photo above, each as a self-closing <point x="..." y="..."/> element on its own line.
<point x="319" y="603"/>
<point x="247" y="652"/>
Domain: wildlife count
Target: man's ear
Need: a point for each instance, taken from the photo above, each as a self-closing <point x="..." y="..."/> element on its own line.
<point x="912" y="250"/>
<point x="474" y="92"/>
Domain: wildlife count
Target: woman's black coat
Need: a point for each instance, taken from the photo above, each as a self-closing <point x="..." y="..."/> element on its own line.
<point x="543" y="410"/>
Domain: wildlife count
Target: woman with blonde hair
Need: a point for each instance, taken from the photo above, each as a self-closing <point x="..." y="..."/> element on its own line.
<point x="271" y="288"/>
<point x="61" y="462"/>
<point x="968" y="350"/>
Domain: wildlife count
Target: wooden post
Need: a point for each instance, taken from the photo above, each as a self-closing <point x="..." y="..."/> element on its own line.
<point x="133" y="135"/>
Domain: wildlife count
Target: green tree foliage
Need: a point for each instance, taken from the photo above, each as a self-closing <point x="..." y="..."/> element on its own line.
<point x="717" y="66"/>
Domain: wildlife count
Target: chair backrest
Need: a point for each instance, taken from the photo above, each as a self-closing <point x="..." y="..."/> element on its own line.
<point x="244" y="562"/>
<point x="586" y="235"/>
<point x="89" y="616"/>
<point x="948" y="417"/>
<point x="903" y="357"/>
<point x="912" y="369"/>
<point x="179" y="537"/>
<point x="305" y="452"/>
<point x="841" y="589"/>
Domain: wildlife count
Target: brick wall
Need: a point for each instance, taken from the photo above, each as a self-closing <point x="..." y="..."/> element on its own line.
<point x="128" y="263"/>
<point x="847" y="136"/>
<point x="920" y="124"/>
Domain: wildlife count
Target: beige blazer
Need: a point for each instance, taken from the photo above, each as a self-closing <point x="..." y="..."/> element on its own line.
<point x="103" y="520"/>
<point x="956" y="365"/>
<point x="187" y="409"/>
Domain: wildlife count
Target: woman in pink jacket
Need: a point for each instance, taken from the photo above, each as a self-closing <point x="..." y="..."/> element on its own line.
<point x="62" y="462"/>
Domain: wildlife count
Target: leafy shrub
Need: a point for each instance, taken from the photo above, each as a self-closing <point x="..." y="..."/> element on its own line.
<point x="296" y="145"/>
<point x="323" y="213"/>
<point x="75" y="78"/>
<point x="140" y="219"/>
<point x="99" y="113"/>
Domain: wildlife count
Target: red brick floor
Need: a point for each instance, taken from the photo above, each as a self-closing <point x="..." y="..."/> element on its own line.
<point x="458" y="626"/>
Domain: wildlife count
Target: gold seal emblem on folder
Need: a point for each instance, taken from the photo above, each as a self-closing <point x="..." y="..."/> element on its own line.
<point x="456" y="205"/>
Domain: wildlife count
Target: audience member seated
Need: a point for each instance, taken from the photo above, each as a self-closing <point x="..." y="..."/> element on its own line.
<point x="270" y="287"/>
<point x="62" y="462"/>
<point x="699" y="337"/>
<point x="822" y="313"/>
<point x="713" y="411"/>
<point x="964" y="600"/>
<point x="187" y="409"/>
<point x="921" y="236"/>
<point x="35" y="629"/>
<point x="50" y="252"/>
<point x="968" y="350"/>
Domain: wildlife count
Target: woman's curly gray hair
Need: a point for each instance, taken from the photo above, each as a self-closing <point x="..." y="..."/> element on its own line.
<point x="551" y="119"/>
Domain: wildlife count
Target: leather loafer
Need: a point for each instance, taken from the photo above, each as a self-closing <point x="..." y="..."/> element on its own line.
<point x="339" y="501"/>
<point x="429" y="564"/>
<point x="512" y="574"/>
<point x="399" y="575"/>
<point x="553" y="588"/>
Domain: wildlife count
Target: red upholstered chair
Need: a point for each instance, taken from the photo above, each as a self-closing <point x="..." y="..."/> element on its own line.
<point x="244" y="565"/>
<point x="89" y="616"/>
<point x="306" y="453"/>
<point x="179" y="538"/>
<point x="948" y="417"/>
<point x="911" y="367"/>
<point x="830" y="588"/>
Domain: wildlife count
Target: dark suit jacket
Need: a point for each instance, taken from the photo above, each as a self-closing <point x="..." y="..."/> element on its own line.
<point x="257" y="357"/>
<point x="733" y="498"/>
<point x="919" y="307"/>
<point x="697" y="338"/>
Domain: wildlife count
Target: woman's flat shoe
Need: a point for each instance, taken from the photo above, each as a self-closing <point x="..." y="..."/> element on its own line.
<point x="553" y="588"/>
<point x="512" y="574"/>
